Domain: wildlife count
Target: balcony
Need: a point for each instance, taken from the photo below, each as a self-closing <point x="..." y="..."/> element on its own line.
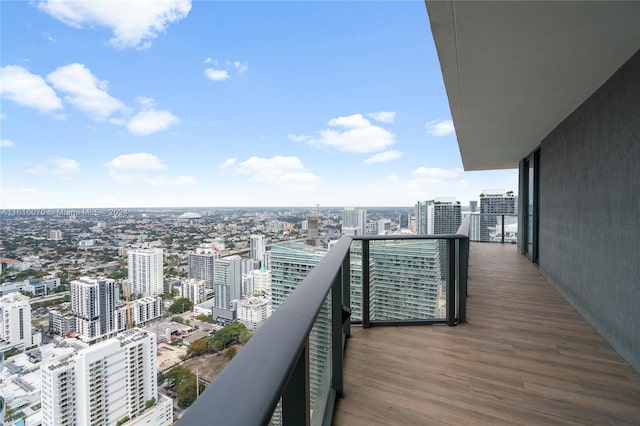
<point x="523" y="356"/>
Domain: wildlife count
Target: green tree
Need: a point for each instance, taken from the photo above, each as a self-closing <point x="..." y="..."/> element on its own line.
<point x="180" y="305"/>
<point x="230" y="352"/>
<point x="199" y="347"/>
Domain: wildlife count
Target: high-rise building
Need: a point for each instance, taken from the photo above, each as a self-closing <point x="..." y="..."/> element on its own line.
<point x="473" y="206"/>
<point x="93" y="303"/>
<point x="257" y="248"/>
<point x="248" y="265"/>
<point x="15" y="322"/>
<point x="403" y="220"/>
<point x="424" y="217"/>
<point x="494" y="203"/>
<point x="355" y="218"/>
<point x="194" y="290"/>
<point x="145" y="272"/>
<point x="253" y="312"/>
<point x="104" y="383"/>
<point x="55" y="235"/>
<point x="290" y="264"/>
<point x="228" y="279"/>
<point x="313" y="230"/>
<point x="201" y="267"/>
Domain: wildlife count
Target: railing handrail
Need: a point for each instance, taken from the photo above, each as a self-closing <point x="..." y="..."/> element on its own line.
<point x="249" y="387"/>
<point x="465" y="226"/>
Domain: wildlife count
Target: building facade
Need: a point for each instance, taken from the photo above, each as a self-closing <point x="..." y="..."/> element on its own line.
<point x="228" y="279"/>
<point x="15" y="322"/>
<point x="104" y="383"/>
<point x="146" y="277"/>
<point x="93" y="303"/>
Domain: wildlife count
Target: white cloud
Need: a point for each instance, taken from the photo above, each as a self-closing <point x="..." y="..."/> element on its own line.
<point x="208" y="61"/>
<point x="133" y="23"/>
<point x="26" y="89"/>
<point x="6" y="143"/>
<point x="284" y="172"/>
<point x="139" y="168"/>
<point x="146" y="102"/>
<point x="240" y="66"/>
<point x="298" y="138"/>
<point x="228" y="163"/>
<point x="357" y="135"/>
<point x="216" y="75"/>
<point x="440" y="127"/>
<point x="383" y="116"/>
<point x="15" y="197"/>
<point x="383" y="157"/>
<point x="59" y="166"/>
<point x="152" y="121"/>
<point x="85" y="92"/>
<point x="135" y="162"/>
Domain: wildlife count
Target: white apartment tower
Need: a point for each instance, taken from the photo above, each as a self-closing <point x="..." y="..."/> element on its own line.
<point x="201" y="266"/>
<point x="15" y="321"/>
<point x="228" y="278"/>
<point x="145" y="272"/>
<point x="257" y="248"/>
<point x="253" y="312"/>
<point x="103" y="383"/>
<point x="194" y="290"/>
<point x="93" y="303"/>
<point x="355" y="218"/>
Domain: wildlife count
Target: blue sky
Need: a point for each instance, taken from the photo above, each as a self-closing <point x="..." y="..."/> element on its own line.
<point x="179" y="103"/>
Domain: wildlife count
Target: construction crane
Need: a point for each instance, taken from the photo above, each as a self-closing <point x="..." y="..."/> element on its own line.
<point x="127" y="298"/>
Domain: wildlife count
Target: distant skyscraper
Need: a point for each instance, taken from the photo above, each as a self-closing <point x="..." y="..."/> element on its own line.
<point x="492" y="204"/>
<point x="313" y="230"/>
<point x="424" y="215"/>
<point x="55" y="235"/>
<point x="201" y="267"/>
<point x="447" y="217"/>
<point x="473" y="206"/>
<point x="257" y="248"/>
<point x="355" y="218"/>
<point x="93" y="303"/>
<point x="15" y="321"/>
<point x="403" y="220"/>
<point x="146" y="276"/>
<point x="228" y="279"/>
<point x="104" y="383"/>
<point x="290" y="264"/>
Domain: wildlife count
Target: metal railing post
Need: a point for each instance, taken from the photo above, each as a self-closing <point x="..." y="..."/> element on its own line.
<point x="463" y="270"/>
<point x="296" y="408"/>
<point x="336" y="334"/>
<point x="451" y="283"/>
<point x="346" y="290"/>
<point x="502" y="229"/>
<point x="366" y="321"/>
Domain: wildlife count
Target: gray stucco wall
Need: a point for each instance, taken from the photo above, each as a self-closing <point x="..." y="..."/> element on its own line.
<point x="590" y="210"/>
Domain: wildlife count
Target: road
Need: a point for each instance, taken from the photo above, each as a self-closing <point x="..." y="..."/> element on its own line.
<point x="49" y="297"/>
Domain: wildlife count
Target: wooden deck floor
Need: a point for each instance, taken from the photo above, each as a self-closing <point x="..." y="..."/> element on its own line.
<point x="524" y="357"/>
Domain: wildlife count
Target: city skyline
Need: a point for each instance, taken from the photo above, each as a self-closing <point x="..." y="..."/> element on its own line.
<point x="216" y="104"/>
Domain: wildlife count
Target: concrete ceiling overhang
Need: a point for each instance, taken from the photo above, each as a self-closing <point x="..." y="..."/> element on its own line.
<point x="514" y="70"/>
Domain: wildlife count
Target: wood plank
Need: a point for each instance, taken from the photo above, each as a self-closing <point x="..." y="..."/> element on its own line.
<point x="525" y="356"/>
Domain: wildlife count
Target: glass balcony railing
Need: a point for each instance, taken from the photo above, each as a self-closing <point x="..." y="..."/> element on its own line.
<point x="493" y="228"/>
<point x="290" y="372"/>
